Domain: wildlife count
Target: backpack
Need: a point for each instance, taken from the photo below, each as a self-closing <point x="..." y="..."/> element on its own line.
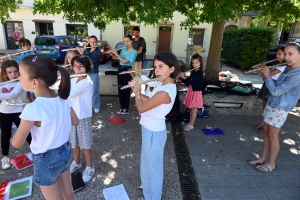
<point x="144" y="49"/>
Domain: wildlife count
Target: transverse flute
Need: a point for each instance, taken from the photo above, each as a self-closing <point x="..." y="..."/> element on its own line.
<point x="254" y="66"/>
<point x="135" y="71"/>
<point x="76" y="48"/>
<point x="11" y="81"/>
<point x="15" y="54"/>
<point x="257" y="69"/>
<point x="147" y="81"/>
<point x="117" y="50"/>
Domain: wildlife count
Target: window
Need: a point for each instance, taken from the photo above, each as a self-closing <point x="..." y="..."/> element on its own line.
<point x="68" y="41"/>
<point x="128" y="30"/>
<point x="62" y="40"/>
<point x="78" y="32"/>
<point x="196" y="37"/>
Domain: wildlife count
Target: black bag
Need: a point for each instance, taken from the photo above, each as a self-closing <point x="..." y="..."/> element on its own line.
<point x="77" y="181"/>
<point x="241" y="90"/>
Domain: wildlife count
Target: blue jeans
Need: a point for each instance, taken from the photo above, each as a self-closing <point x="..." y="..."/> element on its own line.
<point x="96" y="83"/>
<point x="50" y="165"/>
<point x="152" y="159"/>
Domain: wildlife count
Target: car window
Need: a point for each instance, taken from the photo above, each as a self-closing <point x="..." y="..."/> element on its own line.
<point x="100" y="44"/>
<point x="73" y="42"/>
<point x="68" y="41"/>
<point x="45" y="41"/>
<point x="62" y="40"/>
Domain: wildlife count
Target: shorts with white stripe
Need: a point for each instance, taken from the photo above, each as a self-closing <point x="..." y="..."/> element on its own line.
<point x="81" y="135"/>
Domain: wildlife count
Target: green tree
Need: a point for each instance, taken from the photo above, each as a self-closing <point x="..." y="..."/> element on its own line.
<point x="101" y="13"/>
<point x="8" y="6"/>
<point x="216" y="12"/>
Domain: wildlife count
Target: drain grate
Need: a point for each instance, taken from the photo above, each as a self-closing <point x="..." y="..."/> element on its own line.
<point x="188" y="181"/>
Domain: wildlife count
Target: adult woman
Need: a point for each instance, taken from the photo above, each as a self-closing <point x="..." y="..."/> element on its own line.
<point x="285" y="93"/>
<point x="127" y="59"/>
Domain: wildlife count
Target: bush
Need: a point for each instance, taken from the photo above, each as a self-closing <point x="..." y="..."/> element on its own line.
<point x="246" y="47"/>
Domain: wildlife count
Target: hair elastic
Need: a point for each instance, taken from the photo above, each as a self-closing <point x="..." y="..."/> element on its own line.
<point x="34" y="59"/>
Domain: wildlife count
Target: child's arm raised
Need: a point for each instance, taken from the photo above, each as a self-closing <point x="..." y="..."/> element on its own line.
<point x="158" y="99"/>
<point x="22" y="133"/>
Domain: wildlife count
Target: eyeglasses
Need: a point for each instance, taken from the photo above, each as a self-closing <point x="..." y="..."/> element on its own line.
<point x="78" y="67"/>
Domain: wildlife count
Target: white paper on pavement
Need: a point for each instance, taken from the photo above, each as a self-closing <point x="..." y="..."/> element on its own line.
<point x="117" y="192"/>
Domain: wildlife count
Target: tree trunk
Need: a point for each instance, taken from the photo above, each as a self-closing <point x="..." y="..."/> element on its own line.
<point x="213" y="60"/>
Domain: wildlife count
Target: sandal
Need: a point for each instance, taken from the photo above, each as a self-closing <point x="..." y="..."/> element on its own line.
<point x="188" y="128"/>
<point x="264" y="168"/>
<point x="258" y="127"/>
<point x="255" y="162"/>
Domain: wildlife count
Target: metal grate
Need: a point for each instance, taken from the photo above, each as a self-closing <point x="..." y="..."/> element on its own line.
<point x="188" y="181"/>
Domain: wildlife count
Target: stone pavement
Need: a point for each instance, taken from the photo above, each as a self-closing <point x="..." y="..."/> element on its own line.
<point x="116" y="156"/>
<point x="220" y="162"/>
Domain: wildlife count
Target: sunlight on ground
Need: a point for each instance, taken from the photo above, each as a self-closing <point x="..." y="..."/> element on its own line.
<point x="294" y="151"/>
<point x="289" y="142"/>
<point x="257" y="139"/>
<point x="104" y="156"/>
<point x="295" y="111"/>
<point x="112" y="162"/>
<point x="108" y="179"/>
<point x="130" y="155"/>
<point x="98" y="124"/>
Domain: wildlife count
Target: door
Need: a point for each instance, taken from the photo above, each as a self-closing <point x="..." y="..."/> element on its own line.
<point x="164" y="39"/>
<point x="10" y="28"/>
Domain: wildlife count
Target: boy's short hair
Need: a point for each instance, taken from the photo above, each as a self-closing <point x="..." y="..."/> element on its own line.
<point x="136" y="28"/>
<point x="24" y="41"/>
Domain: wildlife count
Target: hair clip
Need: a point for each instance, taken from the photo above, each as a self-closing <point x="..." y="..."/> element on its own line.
<point x="34" y="59"/>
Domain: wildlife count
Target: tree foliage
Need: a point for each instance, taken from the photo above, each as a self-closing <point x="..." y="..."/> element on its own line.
<point x="101" y="13"/>
<point x="8" y="6"/>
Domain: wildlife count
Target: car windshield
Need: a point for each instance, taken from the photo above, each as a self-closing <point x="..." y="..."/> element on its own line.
<point x="45" y="41"/>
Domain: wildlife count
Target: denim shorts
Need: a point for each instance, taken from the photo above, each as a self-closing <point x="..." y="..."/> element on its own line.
<point x="50" y="165"/>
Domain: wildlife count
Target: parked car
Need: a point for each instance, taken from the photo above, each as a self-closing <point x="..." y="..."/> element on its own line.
<point x="271" y="53"/>
<point x="115" y="62"/>
<point x="105" y="48"/>
<point x="52" y="46"/>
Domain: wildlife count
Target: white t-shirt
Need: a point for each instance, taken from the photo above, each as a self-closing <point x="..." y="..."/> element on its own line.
<point x="81" y="96"/>
<point x="154" y="119"/>
<point x="281" y="69"/>
<point x="55" y="116"/>
<point x="12" y="92"/>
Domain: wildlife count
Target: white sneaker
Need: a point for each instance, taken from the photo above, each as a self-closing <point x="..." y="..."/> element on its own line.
<point x="120" y="111"/>
<point x="96" y="110"/>
<point x="125" y="112"/>
<point x="5" y="163"/>
<point x="74" y="166"/>
<point x="88" y="174"/>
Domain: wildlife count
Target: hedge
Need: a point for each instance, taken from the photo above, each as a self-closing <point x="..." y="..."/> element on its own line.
<point x="246" y="47"/>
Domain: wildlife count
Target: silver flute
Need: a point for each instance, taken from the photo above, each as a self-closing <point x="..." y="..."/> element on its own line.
<point x="147" y="81"/>
<point x="11" y="81"/>
<point x="15" y="54"/>
<point x="76" y="48"/>
<point x="73" y="76"/>
<point x="273" y="66"/>
<point x="135" y="71"/>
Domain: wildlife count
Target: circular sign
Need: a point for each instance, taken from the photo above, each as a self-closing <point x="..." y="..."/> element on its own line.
<point x="17" y="35"/>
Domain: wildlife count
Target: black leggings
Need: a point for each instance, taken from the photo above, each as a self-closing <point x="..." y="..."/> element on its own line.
<point x="6" y="120"/>
<point x="124" y="95"/>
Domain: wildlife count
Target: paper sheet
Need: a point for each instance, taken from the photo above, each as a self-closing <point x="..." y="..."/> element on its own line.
<point x="117" y="192"/>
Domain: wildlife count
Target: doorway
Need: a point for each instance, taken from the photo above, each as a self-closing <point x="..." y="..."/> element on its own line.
<point x="164" y="39"/>
<point x="10" y="28"/>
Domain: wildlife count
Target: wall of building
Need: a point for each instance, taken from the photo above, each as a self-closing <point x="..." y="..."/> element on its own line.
<point x="24" y="15"/>
<point x="245" y="21"/>
<point x="114" y="33"/>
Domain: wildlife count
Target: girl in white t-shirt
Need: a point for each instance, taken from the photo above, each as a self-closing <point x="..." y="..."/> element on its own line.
<point x="81" y="97"/>
<point x="153" y="110"/>
<point x="49" y="118"/>
<point x="10" y="93"/>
